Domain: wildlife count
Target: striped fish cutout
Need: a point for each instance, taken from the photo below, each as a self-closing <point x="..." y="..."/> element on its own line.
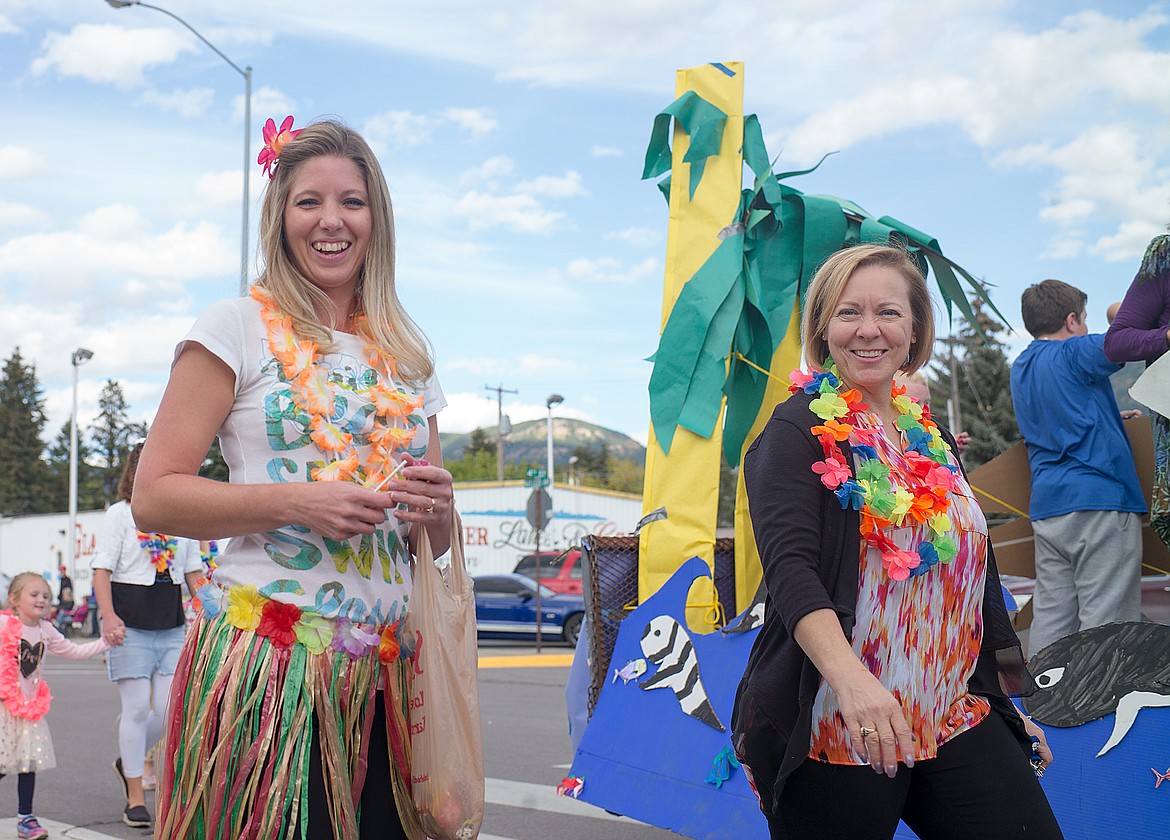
<point x="667" y="645"/>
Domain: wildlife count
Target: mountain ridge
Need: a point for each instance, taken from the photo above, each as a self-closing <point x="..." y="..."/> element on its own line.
<point x="528" y="441"/>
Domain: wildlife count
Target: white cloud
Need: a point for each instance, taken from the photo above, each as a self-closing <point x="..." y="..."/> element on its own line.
<point x="398" y="129"/>
<point x="519" y="213"/>
<point x="565" y="186"/>
<point x="478" y="122"/>
<point x="488" y="173"/>
<point x="192" y="102"/>
<point x="112" y="262"/>
<point x="609" y="270"/>
<point x="606" y="151"/>
<point x="7" y="27"/>
<point x="224" y="189"/>
<point x="267" y="103"/>
<point x="636" y="235"/>
<point x="13" y="216"/>
<point x="109" y="54"/>
<point x="21" y="162"/>
<point x="1106" y="172"/>
<point x="1129" y="241"/>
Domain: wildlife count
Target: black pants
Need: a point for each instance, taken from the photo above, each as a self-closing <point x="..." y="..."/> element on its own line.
<point x="979" y="787"/>
<point x="26" y="786"/>
<point x="379" y="815"/>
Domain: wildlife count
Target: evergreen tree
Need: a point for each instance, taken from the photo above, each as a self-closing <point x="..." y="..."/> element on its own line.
<point x="593" y="465"/>
<point x="984" y="387"/>
<point x="113" y="435"/>
<point x="479" y="441"/>
<point x="23" y="487"/>
<point x="89" y="491"/>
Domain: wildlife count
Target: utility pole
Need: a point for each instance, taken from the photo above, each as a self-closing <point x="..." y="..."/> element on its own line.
<point x="954" y="417"/>
<point x="500" y="391"/>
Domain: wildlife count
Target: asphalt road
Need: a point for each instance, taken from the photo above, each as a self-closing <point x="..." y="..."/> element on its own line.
<point x="526" y="753"/>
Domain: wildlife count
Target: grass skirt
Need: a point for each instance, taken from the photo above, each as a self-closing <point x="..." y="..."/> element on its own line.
<point x="237" y="740"/>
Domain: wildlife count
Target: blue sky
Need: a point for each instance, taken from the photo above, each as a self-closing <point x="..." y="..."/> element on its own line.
<point x="1031" y="138"/>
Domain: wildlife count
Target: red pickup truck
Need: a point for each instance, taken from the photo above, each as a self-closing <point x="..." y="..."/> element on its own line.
<point x="560" y="571"/>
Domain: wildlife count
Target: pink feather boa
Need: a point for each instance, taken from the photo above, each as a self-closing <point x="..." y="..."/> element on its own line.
<point x="10" y="689"/>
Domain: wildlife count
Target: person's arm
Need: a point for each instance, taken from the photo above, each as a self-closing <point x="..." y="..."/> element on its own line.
<point x="194" y="580"/>
<point x="56" y="642"/>
<point x="424" y="484"/>
<point x="1135" y="334"/>
<point x="113" y="628"/>
<point x="170" y="497"/>
<point x="864" y="701"/>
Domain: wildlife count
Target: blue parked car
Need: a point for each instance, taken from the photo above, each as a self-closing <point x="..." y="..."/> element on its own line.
<point x="506" y="605"/>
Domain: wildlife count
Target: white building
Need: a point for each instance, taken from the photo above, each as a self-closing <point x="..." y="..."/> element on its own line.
<point x="36" y="543"/>
<point x="496" y="531"/>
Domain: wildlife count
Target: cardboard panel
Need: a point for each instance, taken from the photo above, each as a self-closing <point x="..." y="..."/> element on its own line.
<point x="1003" y="486"/>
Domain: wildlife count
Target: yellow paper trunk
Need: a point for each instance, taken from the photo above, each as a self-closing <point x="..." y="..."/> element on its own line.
<point x="686" y="482"/>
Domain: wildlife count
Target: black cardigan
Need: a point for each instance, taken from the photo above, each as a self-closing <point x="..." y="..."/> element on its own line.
<point x="810" y="548"/>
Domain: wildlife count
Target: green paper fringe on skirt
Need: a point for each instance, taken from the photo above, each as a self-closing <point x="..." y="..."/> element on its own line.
<point x="241" y="721"/>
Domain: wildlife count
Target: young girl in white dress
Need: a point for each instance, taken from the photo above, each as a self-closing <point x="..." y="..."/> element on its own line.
<point x="25" y="743"/>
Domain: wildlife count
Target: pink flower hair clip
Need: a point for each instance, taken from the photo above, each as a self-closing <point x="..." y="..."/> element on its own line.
<point x="274" y="141"/>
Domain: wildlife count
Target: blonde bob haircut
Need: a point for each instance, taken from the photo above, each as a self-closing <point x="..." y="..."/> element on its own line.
<point x="829" y="284"/>
<point x="386" y="325"/>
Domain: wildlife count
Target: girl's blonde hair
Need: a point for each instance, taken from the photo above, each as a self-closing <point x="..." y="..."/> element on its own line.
<point x="386" y="324"/>
<point x="20" y="582"/>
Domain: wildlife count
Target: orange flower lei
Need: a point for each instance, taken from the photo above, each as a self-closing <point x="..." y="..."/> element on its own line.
<point x="313" y="393"/>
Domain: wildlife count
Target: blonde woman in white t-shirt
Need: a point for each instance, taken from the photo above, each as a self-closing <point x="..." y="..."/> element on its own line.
<point x="322" y="393"/>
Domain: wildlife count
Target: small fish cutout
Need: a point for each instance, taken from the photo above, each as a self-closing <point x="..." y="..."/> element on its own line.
<point x="630" y="671"/>
<point x="722" y="767"/>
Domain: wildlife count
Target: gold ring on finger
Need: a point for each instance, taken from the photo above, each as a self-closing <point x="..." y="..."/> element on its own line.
<point x="866" y="732"/>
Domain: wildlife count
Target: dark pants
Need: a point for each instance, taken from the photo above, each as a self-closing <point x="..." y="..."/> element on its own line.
<point x="979" y="787"/>
<point x="26" y="785"/>
<point x="379" y="815"/>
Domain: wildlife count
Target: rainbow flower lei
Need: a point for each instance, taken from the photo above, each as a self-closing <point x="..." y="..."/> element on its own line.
<point x="313" y="393"/>
<point x="160" y="548"/>
<point x="246" y="608"/>
<point x="883" y="498"/>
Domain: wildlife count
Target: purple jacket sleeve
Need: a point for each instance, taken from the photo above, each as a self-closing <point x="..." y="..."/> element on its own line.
<point x="1138" y="332"/>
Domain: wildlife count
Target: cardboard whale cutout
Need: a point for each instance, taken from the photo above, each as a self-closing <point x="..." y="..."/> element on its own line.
<point x="1120" y="668"/>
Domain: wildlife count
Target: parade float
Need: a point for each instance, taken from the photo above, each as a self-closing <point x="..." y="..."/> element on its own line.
<point x="674" y="610"/>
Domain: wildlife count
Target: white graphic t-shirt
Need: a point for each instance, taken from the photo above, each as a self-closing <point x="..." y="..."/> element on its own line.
<point x="265" y="440"/>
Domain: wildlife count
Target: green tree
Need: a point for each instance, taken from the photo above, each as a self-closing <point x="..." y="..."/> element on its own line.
<point x="984" y="388"/>
<point x="112" y="436"/>
<point x="89" y="491"/>
<point x="23" y="478"/>
<point x="478" y="441"/>
<point x="593" y="464"/>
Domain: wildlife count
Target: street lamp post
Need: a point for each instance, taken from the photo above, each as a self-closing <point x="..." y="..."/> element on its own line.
<point x="246" y="72"/>
<point x="553" y="399"/>
<point x="80" y="356"/>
